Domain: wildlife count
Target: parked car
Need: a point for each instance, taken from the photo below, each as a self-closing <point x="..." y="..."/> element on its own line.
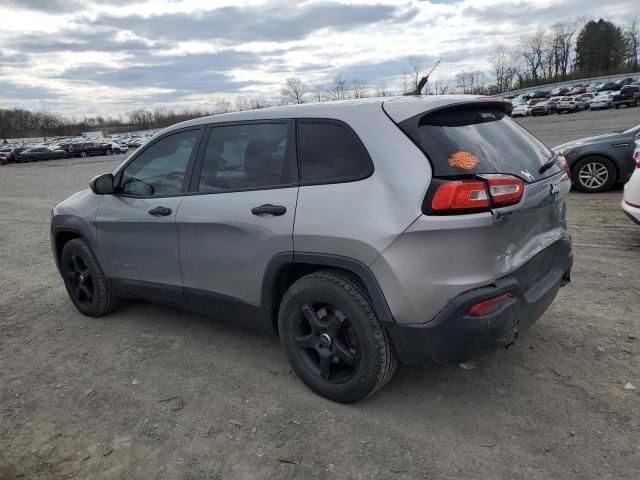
<point x="115" y="148"/>
<point x="631" y="196"/>
<point x="578" y="90"/>
<point x="601" y="101"/>
<point x="559" y="91"/>
<point x="11" y="153"/>
<point x="587" y="98"/>
<point x="552" y="104"/>
<point x="629" y="95"/>
<point x="622" y="83"/>
<point x="608" y="87"/>
<point x="87" y="149"/>
<point x="299" y="252"/>
<point x="522" y="110"/>
<point x="541" y="108"/>
<point x="570" y="104"/>
<point x="541" y="94"/>
<point x="3" y="160"/>
<point x="597" y="163"/>
<point x="38" y="154"/>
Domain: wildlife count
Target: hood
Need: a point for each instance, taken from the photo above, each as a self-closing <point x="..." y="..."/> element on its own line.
<point x="589" y="140"/>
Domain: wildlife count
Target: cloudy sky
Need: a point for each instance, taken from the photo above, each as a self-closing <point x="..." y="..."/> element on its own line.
<point x="112" y="56"/>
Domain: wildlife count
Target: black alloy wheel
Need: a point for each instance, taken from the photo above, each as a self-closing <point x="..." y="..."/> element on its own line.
<point x="326" y="342"/>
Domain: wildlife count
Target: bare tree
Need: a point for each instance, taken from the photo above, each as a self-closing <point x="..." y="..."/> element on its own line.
<point x="442" y="86"/>
<point x="339" y="88"/>
<point x="223" y="105"/>
<point x="633" y="35"/>
<point x="382" y="91"/>
<point x="359" y="88"/>
<point x="533" y="47"/>
<point x="319" y="93"/>
<point x="414" y="74"/>
<point x="294" y="91"/>
<point x="502" y="63"/>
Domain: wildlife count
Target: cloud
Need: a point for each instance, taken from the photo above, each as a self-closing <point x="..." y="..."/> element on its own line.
<point x="196" y="73"/>
<point x="79" y="41"/>
<point x="272" y="21"/>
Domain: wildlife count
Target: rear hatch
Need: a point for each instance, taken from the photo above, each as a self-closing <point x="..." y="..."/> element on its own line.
<point x="478" y="141"/>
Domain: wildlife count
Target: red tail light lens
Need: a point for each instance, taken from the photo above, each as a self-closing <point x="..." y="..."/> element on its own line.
<point x="490" y="305"/>
<point x="636" y="156"/>
<point x="460" y="195"/>
<point x="473" y="195"/>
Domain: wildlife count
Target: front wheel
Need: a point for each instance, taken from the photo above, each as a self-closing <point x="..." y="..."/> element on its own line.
<point x="333" y="339"/>
<point x="85" y="281"/>
<point x="593" y="174"/>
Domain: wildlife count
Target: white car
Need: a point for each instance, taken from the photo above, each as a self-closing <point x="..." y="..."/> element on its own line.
<point x="601" y="101"/>
<point x="631" y="197"/>
<point x="522" y="110"/>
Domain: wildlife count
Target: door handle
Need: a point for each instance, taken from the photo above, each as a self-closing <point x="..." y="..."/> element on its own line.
<point x="275" y="210"/>
<point x="160" y="211"/>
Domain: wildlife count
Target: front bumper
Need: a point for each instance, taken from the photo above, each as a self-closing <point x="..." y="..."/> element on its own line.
<point x="454" y="337"/>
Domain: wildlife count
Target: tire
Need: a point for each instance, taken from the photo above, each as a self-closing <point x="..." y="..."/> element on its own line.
<point x="85" y="281"/>
<point x="343" y="320"/>
<point x="585" y="176"/>
<point x="83" y="154"/>
<point x="108" y="152"/>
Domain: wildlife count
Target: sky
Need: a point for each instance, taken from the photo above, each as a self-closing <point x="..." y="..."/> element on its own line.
<point x="87" y="57"/>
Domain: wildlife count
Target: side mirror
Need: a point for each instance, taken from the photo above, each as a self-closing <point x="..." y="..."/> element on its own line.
<point x="102" y="184"/>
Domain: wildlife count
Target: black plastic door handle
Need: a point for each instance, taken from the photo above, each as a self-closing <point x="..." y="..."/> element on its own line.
<point x="160" y="211"/>
<point x="275" y="210"/>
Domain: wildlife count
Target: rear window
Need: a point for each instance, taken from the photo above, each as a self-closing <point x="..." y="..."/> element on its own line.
<point x="475" y="139"/>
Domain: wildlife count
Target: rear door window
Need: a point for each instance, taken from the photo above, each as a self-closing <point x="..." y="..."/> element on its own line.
<point x="475" y="139"/>
<point x="330" y="153"/>
<point x="238" y="157"/>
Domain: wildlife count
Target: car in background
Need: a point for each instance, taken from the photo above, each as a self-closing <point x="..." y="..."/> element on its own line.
<point x="608" y="87"/>
<point x="631" y="195"/>
<point x="115" y="148"/>
<point x="559" y="92"/>
<point x="587" y="98"/>
<point x="598" y="163"/>
<point x="522" y="110"/>
<point x="541" y="94"/>
<point x="11" y="153"/>
<point x="570" y="104"/>
<point x="628" y="95"/>
<point x="601" y="101"/>
<point x="577" y="90"/>
<point x="89" y="149"/>
<point x="543" y="108"/>
<point x="3" y="160"/>
<point x="623" y="82"/>
<point x="39" y="154"/>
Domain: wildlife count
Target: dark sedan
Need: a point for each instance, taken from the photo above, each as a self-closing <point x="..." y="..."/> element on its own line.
<point x="39" y="153"/>
<point x="597" y="163"/>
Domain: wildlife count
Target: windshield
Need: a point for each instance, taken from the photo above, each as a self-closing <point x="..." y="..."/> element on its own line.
<point x="479" y="139"/>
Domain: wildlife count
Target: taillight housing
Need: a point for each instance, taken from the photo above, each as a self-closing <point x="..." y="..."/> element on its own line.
<point x="562" y="160"/>
<point x="636" y="156"/>
<point x="474" y="195"/>
<point x="490" y="305"/>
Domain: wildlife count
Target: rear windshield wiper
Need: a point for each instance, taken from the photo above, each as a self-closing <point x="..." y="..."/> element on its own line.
<point x="548" y="164"/>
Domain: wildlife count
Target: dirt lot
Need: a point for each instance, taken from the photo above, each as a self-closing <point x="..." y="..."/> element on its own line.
<point x="152" y="392"/>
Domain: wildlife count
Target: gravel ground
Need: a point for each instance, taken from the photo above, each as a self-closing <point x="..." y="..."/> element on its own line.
<point x="154" y="392"/>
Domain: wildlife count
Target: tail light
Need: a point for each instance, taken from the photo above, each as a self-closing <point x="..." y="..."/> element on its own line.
<point x="636" y="156"/>
<point x="563" y="163"/>
<point x="463" y="196"/>
<point x="490" y="305"/>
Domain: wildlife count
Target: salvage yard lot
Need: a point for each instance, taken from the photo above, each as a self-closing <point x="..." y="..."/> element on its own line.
<point x="155" y="392"/>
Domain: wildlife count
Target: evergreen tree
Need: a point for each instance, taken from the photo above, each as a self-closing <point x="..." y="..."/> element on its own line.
<point x="601" y="49"/>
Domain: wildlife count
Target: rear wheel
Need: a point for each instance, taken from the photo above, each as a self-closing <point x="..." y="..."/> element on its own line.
<point x="83" y="154"/>
<point x="333" y="339"/>
<point x="594" y="174"/>
<point x="85" y="281"/>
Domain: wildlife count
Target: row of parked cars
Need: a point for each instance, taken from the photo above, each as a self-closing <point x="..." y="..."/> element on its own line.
<point x="562" y="100"/>
<point x="27" y="153"/>
<point x="73" y="147"/>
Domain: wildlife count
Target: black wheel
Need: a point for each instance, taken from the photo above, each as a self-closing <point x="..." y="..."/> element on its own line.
<point x="108" y="152"/>
<point x="85" y="281"/>
<point x="593" y="174"/>
<point x="333" y="339"/>
<point x="83" y="154"/>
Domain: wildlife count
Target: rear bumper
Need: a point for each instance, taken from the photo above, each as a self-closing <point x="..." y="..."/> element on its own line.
<point x="631" y="211"/>
<point x="454" y="337"/>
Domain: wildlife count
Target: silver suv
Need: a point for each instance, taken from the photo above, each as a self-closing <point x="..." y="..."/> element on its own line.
<point x="363" y="232"/>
